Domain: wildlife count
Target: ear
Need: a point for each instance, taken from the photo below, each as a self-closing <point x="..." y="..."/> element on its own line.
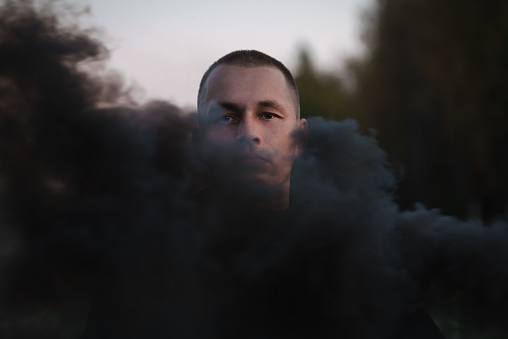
<point x="302" y="136"/>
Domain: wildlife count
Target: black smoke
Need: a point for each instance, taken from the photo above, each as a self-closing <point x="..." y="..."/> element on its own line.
<point x="99" y="233"/>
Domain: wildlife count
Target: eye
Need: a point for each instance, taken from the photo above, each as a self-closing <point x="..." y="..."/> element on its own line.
<point x="226" y="118"/>
<point x="269" y="116"/>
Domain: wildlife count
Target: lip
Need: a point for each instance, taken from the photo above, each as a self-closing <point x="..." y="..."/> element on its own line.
<point x="255" y="157"/>
<point x="254" y="161"/>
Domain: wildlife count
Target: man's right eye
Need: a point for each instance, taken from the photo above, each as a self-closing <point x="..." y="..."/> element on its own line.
<point x="226" y="118"/>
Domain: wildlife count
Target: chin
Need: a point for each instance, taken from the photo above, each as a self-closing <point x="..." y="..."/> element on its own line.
<point x="267" y="180"/>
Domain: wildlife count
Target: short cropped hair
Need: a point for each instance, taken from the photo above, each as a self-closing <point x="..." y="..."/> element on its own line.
<point x="251" y="58"/>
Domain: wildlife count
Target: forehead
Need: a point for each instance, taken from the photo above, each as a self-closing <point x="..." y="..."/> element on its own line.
<point x="247" y="85"/>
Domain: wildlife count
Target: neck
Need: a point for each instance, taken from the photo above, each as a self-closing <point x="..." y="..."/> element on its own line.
<point x="279" y="199"/>
<point x="257" y="195"/>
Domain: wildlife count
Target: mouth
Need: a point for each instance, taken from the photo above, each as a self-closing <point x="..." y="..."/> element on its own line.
<point x="254" y="156"/>
<point x="254" y="160"/>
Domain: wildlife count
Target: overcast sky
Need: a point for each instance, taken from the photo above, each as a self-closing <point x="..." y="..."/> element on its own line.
<point x="166" y="45"/>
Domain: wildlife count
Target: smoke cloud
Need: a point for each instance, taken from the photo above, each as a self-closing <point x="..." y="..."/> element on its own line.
<point x="99" y="235"/>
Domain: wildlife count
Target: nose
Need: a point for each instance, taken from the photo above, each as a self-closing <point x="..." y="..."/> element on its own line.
<point x="248" y="132"/>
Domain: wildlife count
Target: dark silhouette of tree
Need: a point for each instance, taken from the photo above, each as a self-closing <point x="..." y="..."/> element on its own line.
<point x="321" y="94"/>
<point x="432" y="85"/>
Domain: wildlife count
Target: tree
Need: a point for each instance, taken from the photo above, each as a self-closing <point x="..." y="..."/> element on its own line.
<point x="321" y="94"/>
<point x="432" y="84"/>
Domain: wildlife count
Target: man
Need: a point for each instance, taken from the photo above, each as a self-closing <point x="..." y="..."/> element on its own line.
<point x="250" y="129"/>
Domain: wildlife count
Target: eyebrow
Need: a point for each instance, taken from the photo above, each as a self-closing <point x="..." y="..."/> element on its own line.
<point x="230" y="106"/>
<point x="235" y="107"/>
<point x="271" y="104"/>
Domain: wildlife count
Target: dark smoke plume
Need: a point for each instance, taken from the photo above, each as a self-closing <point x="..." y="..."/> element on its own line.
<point x="99" y="234"/>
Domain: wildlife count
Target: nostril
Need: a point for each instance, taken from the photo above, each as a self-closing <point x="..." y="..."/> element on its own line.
<point x="246" y="140"/>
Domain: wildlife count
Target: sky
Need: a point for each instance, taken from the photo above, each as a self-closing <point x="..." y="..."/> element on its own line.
<point x="164" y="46"/>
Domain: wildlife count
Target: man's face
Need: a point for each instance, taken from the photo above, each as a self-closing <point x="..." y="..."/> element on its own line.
<point x="249" y="114"/>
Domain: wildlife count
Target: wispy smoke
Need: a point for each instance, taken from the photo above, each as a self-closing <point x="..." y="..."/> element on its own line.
<point x="95" y="214"/>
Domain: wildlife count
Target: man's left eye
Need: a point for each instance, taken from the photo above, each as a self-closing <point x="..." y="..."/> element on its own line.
<point x="268" y="116"/>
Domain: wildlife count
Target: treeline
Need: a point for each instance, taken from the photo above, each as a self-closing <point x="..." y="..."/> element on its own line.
<point x="433" y="83"/>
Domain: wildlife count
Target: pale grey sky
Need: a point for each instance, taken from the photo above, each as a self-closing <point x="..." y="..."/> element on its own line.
<point x="166" y="46"/>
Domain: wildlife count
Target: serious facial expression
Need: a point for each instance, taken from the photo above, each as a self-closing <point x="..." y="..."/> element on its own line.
<point x="250" y="109"/>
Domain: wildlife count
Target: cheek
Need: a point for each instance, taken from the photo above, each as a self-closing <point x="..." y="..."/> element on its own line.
<point x="285" y="150"/>
<point x="284" y="142"/>
<point x="220" y="147"/>
<point x="219" y="135"/>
